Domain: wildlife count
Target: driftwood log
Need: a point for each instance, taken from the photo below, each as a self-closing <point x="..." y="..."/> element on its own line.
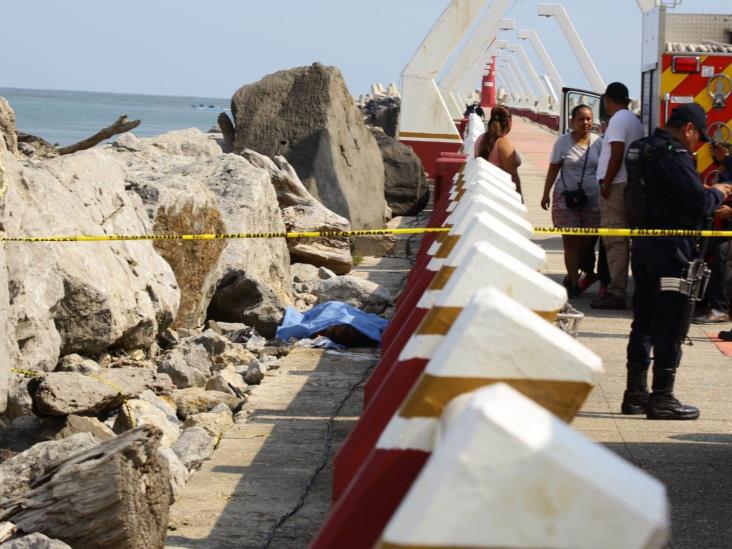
<point x="121" y="125"/>
<point x="113" y="496"/>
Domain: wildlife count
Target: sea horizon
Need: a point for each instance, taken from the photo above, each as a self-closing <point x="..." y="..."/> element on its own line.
<point x="66" y="116"/>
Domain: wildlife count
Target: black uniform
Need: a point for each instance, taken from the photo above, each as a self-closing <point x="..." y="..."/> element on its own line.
<point x="677" y="199"/>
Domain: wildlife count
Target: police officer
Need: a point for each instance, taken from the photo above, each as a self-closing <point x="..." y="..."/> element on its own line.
<point x="676" y="199"/>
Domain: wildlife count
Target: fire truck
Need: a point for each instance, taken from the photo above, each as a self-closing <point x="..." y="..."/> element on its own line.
<point x="686" y="57"/>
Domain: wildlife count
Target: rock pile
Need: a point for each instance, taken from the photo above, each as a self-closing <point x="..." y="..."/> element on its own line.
<point x="130" y="359"/>
<point x="383" y="112"/>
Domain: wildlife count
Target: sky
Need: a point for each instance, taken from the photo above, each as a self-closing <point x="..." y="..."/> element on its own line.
<point x="211" y="48"/>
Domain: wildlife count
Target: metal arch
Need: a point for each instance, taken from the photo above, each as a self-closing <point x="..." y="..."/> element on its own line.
<point x="533" y="75"/>
<point x="578" y="47"/>
<point x="556" y="79"/>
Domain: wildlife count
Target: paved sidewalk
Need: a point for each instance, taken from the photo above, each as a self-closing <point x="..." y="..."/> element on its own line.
<point x="693" y="459"/>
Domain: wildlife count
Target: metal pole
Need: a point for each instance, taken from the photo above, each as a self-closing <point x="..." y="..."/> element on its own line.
<point x="556" y="79"/>
<point x="533" y="75"/>
<point x="578" y="47"/>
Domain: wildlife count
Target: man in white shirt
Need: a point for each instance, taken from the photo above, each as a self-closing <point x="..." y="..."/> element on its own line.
<point x="623" y="129"/>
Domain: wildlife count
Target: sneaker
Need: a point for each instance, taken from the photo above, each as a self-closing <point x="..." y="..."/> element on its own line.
<point x="586" y="281"/>
<point x="609" y="301"/>
<point x="602" y="292"/>
<point x="712" y="317"/>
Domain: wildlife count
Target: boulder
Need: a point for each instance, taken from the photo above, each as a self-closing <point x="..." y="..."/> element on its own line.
<point x="405" y="186"/>
<point x="138" y="412"/>
<point x="253" y="374"/>
<point x="8" y="130"/>
<point x="18" y="473"/>
<point x="303" y="213"/>
<point x="227" y="381"/>
<point x="195" y="400"/>
<point x="216" y="422"/>
<point x="233" y="331"/>
<point x="64" y="298"/>
<point x="188" y="365"/>
<point x="189" y="186"/>
<point x="8" y="347"/>
<point x="19" y="401"/>
<point x="179" y="474"/>
<point x="358" y="292"/>
<point x="65" y="393"/>
<point x="307" y="115"/>
<point x="252" y="280"/>
<point x="25" y="431"/>
<point x="79" y="364"/>
<point x="194" y="447"/>
<point x="35" y="541"/>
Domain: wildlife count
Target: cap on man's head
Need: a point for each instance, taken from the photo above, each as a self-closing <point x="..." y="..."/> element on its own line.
<point x="618" y="93"/>
<point x="690" y="112"/>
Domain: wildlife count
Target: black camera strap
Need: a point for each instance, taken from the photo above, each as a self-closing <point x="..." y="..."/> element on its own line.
<point x="584" y="168"/>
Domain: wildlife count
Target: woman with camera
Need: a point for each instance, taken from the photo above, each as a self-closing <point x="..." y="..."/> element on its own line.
<point x="575" y="200"/>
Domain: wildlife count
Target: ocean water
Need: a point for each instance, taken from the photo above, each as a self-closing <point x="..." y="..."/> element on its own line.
<point x="65" y="117"/>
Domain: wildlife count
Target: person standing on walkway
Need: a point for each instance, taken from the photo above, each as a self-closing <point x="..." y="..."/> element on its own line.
<point x="575" y="201"/>
<point x="720" y="250"/>
<point x="623" y="128"/>
<point x="675" y="198"/>
<point x="495" y="146"/>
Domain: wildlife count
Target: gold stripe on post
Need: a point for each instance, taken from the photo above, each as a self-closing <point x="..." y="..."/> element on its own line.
<point x="431" y="394"/>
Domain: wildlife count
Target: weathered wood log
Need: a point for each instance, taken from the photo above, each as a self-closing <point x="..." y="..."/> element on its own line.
<point x="227" y="129"/>
<point x="121" y="125"/>
<point x="115" y="495"/>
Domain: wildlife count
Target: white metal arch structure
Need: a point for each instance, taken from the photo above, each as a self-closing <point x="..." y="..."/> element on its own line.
<point x="578" y="47"/>
<point x="424" y="120"/>
<point x="518" y="75"/>
<point x="507" y="72"/>
<point x="556" y="79"/>
<point x="521" y="76"/>
<point x="514" y="89"/>
<point x="473" y="51"/>
<point x="533" y="75"/>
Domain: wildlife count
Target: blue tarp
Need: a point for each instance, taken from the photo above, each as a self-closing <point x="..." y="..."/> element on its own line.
<point x="333" y="313"/>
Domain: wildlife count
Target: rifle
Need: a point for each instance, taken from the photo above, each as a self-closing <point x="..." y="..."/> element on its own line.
<point x="693" y="285"/>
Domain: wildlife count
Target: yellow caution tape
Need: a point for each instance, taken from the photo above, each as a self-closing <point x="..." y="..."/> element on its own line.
<point x="582" y="231"/>
<point x="224" y="236"/>
<point x="27" y="373"/>
<point x="573" y="231"/>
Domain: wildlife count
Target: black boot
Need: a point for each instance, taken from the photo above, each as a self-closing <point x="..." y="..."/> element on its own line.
<point x="635" y="398"/>
<point x="663" y="404"/>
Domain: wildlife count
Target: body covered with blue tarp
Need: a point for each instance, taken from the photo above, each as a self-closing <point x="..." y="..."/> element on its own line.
<point x="328" y="315"/>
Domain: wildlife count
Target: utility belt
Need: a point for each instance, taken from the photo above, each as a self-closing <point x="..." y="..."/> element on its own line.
<point x="693" y="286"/>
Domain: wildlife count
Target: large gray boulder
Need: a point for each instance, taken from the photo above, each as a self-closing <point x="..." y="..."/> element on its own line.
<point x="307" y="115"/>
<point x="189" y="186"/>
<point x="80" y="297"/>
<point x="405" y="186"/>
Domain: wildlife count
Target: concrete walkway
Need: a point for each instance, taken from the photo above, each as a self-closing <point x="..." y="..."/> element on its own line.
<point x="263" y="465"/>
<point x="693" y="459"/>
